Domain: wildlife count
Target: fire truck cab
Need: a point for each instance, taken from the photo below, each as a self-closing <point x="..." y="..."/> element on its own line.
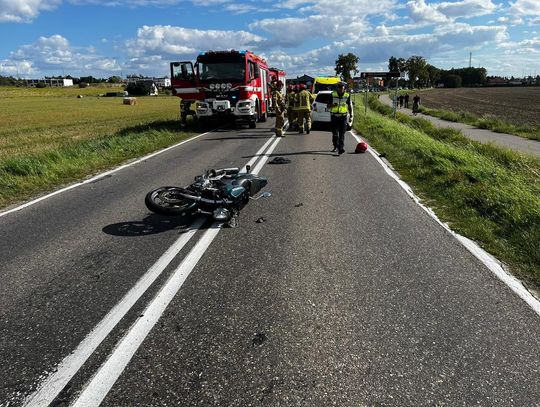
<point x="223" y="83"/>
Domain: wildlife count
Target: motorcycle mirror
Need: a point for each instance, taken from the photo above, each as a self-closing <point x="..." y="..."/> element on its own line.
<point x="248" y="168"/>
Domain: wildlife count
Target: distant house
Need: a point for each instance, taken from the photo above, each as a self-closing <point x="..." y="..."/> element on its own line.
<point x="32" y="83"/>
<point x="496" y="80"/>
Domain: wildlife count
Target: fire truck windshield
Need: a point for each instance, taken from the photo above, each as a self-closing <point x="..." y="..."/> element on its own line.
<point x="232" y="71"/>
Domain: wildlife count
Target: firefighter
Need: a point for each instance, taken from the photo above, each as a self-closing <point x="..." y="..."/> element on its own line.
<point x="340" y="108"/>
<point x="278" y="103"/>
<point x="304" y="103"/>
<point x="291" y="114"/>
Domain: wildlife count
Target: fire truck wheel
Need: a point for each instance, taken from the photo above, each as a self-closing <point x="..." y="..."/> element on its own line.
<point x="252" y="124"/>
<point x="263" y="117"/>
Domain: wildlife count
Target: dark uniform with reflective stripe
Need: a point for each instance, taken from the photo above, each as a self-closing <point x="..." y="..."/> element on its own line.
<point x="340" y="108"/>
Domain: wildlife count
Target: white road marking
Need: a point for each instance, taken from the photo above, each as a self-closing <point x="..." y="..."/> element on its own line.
<point x="52" y="385"/>
<point x="101" y="383"/>
<point x="108" y="373"/>
<point x="487" y="259"/>
<point x="265" y="157"/>
<point x="99" y="176"/>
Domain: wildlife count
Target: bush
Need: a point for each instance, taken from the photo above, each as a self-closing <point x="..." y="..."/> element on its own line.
<point x="452" y="81"/>
<point x="83" y="85"/>
<point x="138" y="88"/>
<point x="41" y="85"/>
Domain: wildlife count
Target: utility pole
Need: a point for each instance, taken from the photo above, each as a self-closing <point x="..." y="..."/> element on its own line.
<point x="470" y="59"/>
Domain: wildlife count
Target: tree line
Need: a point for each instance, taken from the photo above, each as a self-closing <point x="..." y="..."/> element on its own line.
<point x="421" y="74"/>
<point x="12" y="81"/>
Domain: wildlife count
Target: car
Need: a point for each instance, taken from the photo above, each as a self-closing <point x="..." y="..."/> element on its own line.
<point x="320" y="112"/>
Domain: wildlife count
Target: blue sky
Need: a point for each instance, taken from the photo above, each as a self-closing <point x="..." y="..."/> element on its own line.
<point x="120" y="37"/>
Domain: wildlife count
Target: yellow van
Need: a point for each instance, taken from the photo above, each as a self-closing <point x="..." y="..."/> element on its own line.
<point x="324" y="83"/>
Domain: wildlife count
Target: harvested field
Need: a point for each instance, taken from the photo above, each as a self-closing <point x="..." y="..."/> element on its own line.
<point x="516" y="105"/>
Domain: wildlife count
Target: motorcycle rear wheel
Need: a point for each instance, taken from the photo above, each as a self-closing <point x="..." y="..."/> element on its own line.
<point x="167" y="201"/>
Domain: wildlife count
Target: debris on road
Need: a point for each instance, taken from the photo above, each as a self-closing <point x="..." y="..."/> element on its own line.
<point x="261" y="219"/>
<point x="279" y="160"/>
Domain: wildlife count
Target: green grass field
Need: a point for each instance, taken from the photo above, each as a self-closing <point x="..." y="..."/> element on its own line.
<point x="49" y="137"/>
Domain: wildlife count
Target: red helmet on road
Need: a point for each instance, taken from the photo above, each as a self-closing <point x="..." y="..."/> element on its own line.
<point x="361" y="147"/>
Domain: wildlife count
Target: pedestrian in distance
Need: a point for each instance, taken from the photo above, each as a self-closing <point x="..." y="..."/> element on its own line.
<point x="406" y="99"/>
<point x="400" y="99"/>
<point x="340" y="108"/>
<point x="304" y="103"/>
<point x="278" y="103"/>
<point x="416" y="104"/>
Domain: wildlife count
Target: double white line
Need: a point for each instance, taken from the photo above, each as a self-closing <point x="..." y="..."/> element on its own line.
<point x="103" y="380"/>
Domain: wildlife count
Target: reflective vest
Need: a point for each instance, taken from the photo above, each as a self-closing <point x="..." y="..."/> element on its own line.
<point x="291" y="96"/>
<point x="339" y="104"/>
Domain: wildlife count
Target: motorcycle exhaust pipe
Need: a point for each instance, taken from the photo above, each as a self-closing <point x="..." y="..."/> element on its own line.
<point x="205" y="200"/>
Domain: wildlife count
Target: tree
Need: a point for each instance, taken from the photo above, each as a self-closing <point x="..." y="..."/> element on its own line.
<point x="345" y="64"/>
<point x="452" y="81"/>
<point x="416" y="68"/>
<point x="397" y="64"/>
<point x="434" y="74"/>
<point x="114" y="79"/>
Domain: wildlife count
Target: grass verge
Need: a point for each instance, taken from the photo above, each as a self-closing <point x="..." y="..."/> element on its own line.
<point x="27" y="175"/>
<point x="489" y="194"/>
<point x="486" y="122"/>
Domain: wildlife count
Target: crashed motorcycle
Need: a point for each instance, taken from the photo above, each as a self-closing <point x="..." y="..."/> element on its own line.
<point x="218" y="193"/>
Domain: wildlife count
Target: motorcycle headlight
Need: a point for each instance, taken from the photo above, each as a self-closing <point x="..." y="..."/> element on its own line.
<point x="221" y="214"/>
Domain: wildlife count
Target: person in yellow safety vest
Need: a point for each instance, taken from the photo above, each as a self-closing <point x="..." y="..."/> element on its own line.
<point x="278" y="102"/>
<point x="291" y="112"/>
<point x="340" y="108"/>
<point x="305" y="101"/>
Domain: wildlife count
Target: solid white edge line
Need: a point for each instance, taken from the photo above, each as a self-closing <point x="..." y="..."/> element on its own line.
<point x="99" y="176"/>
<point x="103" y="380"/>
<point x="110" y="371"/>
<point x="494" y="265"/>
<point x="49" y="389"/>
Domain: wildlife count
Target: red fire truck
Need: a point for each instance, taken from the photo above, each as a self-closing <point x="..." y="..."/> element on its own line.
<point x="223" y="83"/>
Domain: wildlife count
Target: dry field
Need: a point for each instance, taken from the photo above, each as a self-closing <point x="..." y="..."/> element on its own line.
<point x="516" y="105"/>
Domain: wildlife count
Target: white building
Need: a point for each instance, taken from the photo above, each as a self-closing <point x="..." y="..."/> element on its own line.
<point x="50" y="82"/>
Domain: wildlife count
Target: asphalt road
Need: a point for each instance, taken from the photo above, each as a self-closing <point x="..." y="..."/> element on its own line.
<point x="347" y="294"/>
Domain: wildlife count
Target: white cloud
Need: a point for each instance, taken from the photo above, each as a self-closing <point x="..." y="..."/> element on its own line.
<point x="179" y="41"/>
<point x="420" y="11"/>
<point x="526" y="8"/>
<point x="20" y="11"/>
<point x="55" y="53"/>
<point x="467" y="8"/>
<point x="11" y="68"/>
<point x="292" y="32"/>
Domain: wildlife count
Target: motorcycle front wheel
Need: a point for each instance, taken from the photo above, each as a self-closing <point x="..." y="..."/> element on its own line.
<point x="168" y="201"/>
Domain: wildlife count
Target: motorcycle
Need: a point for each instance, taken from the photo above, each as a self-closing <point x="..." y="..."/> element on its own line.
<point x="219" y="193"/>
